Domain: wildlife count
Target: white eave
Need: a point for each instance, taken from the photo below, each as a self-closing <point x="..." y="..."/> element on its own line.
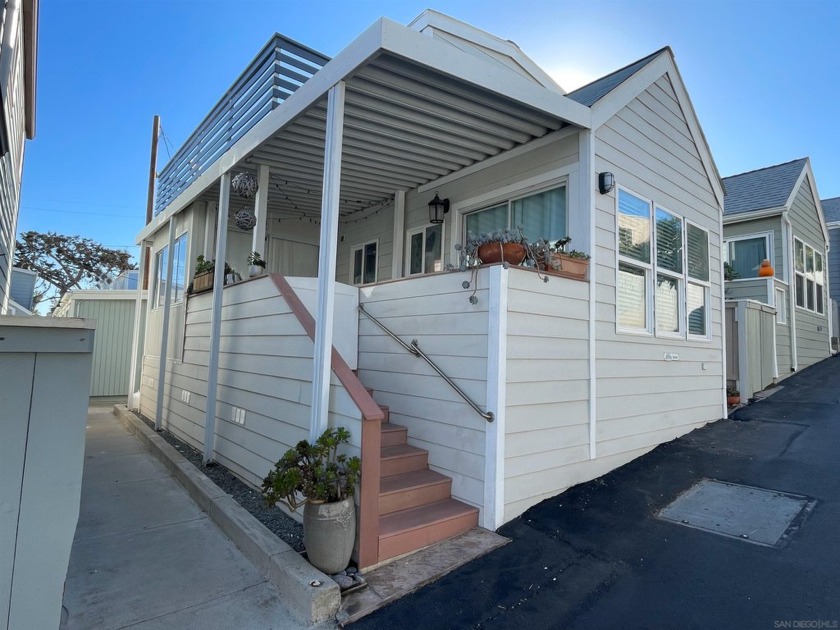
<point x="417" y="110"/>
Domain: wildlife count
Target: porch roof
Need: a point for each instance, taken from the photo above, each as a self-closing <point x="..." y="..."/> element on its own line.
<point x="416" y="110"/>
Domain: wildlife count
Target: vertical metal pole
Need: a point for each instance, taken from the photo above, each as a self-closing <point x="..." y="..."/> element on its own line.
<point x="164" y="342"/>
<point x="135" y="337"/>
<point x="216" y="321"/>
<point x="327" y="261"/>
<point x="398" y="257"/>
<point x="261" y="211"/>
<point x="150" y="196"/>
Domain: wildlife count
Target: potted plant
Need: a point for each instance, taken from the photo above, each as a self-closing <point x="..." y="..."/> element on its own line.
<point x="733" y="396"/>
<point x="323" y="481"/>
<point x="729" y="272"/>
<point x="256" y="265"/>
<point x="506" y="245"/>
<point x="554" y="257"/>
<point x="203" y="277"/>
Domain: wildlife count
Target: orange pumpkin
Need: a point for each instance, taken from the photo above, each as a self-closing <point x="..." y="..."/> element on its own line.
<point x="765" y="270"/>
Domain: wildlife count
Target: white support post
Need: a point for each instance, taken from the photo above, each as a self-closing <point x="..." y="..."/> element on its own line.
<point x="327" y="261"/>
<point x="164" y="341"/>
<point x="216" y="321"/>
<point x="261" y="211"/>
<point x="493" y="514"/>
<point x="398" y="255"/>
<point x="135" y="336"/>
<point x="586" y="184"/>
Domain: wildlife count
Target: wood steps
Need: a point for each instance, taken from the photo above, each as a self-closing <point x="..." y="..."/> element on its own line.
<point x="415" y="503"/>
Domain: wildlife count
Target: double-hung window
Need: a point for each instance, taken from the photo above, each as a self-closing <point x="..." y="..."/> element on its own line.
<point x="809" y="281"/>
<point x="363" y="263"/>
<point x="663" y="271"/>
<point x="179" y="270"/>
<point x="540" y="215"/>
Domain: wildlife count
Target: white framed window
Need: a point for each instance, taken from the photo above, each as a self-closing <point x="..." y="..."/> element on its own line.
<point x="364" y="260"/>
<point x="809" y="277"/>
<point x="781" y="306"/>
<point x="663" y="281"/>
<point x="179" y="271"/>
<point x="425" y="250"/>
<point x="746" y="252"/>
<point x="540" y="214"/>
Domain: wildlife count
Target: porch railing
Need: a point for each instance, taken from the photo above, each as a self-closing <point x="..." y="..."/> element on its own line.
<point x="279" y="69"/>
<point x="414" y="348"/>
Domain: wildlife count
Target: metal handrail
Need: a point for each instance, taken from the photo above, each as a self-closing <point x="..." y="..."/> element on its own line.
<point x="414" y="348"/>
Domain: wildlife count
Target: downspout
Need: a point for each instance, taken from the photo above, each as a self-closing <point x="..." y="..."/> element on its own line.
<point x="164" y="341"/>
<point x="216" y="321"/>
<point x="586" y="184"/>
<point x="791" y="278"/>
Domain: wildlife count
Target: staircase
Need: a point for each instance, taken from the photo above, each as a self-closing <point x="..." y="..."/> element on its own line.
<point x="416" y="508"/>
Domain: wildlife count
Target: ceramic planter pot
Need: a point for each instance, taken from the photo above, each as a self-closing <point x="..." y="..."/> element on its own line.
<point x="511" y="253"/>
<point x="733" y="400"/>
<point x="570" y="265"/>
<point x="255" y="270"/>
<point x="329" y="531"/>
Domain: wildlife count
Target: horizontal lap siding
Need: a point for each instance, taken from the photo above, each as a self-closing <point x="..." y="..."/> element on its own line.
<point x="546" y="421"/>
<point x="265" y="367"/>
<point x="812" y="341"/>
<point x="436" y="311"/>
<point x="642" y="399"/>
<point x="363" y="227"/>
<point x="112" y="344"/>
<point x="752" y="289"/>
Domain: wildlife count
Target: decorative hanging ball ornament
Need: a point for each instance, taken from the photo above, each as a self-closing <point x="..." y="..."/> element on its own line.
<point x="245" y="185"/>
<point x="245" y="220"/>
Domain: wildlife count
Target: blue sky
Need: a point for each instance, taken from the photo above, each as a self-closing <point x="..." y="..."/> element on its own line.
<point x="763" y="77"/>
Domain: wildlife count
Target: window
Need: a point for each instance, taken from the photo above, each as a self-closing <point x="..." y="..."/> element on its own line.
<point x="745" y="254"/>
<point x="179" y="270"/>
<point x="809" y="281"/>
<point x="540" y="215"/>
<point x="425" y="250"/>
<point x="363" y="260"/>
<point x="676" y="286"/>
<point x="781" y="306"/>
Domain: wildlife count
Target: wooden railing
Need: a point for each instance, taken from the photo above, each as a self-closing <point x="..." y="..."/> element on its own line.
<point x="372" y="417"/>
<point x="279" y="69"/>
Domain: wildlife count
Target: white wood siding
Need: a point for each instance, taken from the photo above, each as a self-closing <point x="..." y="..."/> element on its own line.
<point x="547" y="422"/>
<point x="642" y="399"/>
<point x="812" y="341"/>
<point x="265" y="368"/>
<point x="759" y="289"/>
<point x="436" y="311"/>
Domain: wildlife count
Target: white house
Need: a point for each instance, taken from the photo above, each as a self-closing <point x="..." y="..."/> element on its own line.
<point x="557" y="382"/>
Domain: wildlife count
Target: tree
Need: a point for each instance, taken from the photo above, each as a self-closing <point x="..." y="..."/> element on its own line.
<point x="67" y="262"/>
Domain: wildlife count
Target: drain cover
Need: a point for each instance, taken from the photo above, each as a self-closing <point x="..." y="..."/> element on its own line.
<point x="751" y="514"/>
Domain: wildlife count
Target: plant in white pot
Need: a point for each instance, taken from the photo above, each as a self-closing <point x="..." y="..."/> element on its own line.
<point x="323" y="481"/>
<point x="256" y="264"/>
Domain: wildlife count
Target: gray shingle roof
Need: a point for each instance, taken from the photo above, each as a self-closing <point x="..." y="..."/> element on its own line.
<point x="767" y="187"/>
<point x="593" y="92"/>
<point x="831" y="209"/>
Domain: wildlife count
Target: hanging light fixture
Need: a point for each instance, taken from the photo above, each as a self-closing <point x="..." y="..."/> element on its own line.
<point x="437" y="208"/>
<point x="245" y="220"/>
<point x="244" y="184"/>
<point x="606" y="182"/>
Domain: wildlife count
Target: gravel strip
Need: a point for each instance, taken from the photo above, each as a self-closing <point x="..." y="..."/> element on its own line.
<point x="285" y="528"/>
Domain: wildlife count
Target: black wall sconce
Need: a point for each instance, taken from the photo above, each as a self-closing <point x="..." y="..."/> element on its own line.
<point x="437" y="208"/>
<point x="606" y="182"/>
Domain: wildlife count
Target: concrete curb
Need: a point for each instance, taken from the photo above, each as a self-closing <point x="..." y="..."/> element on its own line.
<point x="277" y="561"/>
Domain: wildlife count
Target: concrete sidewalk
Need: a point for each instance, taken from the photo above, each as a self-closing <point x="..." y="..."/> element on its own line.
<point x="600" y="556"/>
<point x="146" y="556"/>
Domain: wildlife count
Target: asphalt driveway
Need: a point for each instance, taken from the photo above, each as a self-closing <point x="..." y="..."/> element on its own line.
<point x="598" y="556"/>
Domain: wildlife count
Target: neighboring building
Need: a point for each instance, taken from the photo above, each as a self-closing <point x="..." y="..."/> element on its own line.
<point x="22" y="292"/>
<point x="18" y="63"/>
<point x="113" y="311"/>
<point x="578" y="376"/>
<point x="831" y="211"/>
<point x="774" y="213"/>
<point x="125" y="281"/>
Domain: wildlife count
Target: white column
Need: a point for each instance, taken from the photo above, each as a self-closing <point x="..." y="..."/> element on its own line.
<point x="586" y="183"/>
<point x="493" y="513"/>
<point x="210" y="231"/>
<point x="398" y="254"/>
<point x="135" y="337"/>
<point x="261" y="211"/>
<point x="216" y="321"/>
<point x="327" y="261"/>
<point x="164" y="340"/>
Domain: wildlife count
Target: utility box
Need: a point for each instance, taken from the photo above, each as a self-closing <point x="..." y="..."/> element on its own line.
<point x="45" y="368"/>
